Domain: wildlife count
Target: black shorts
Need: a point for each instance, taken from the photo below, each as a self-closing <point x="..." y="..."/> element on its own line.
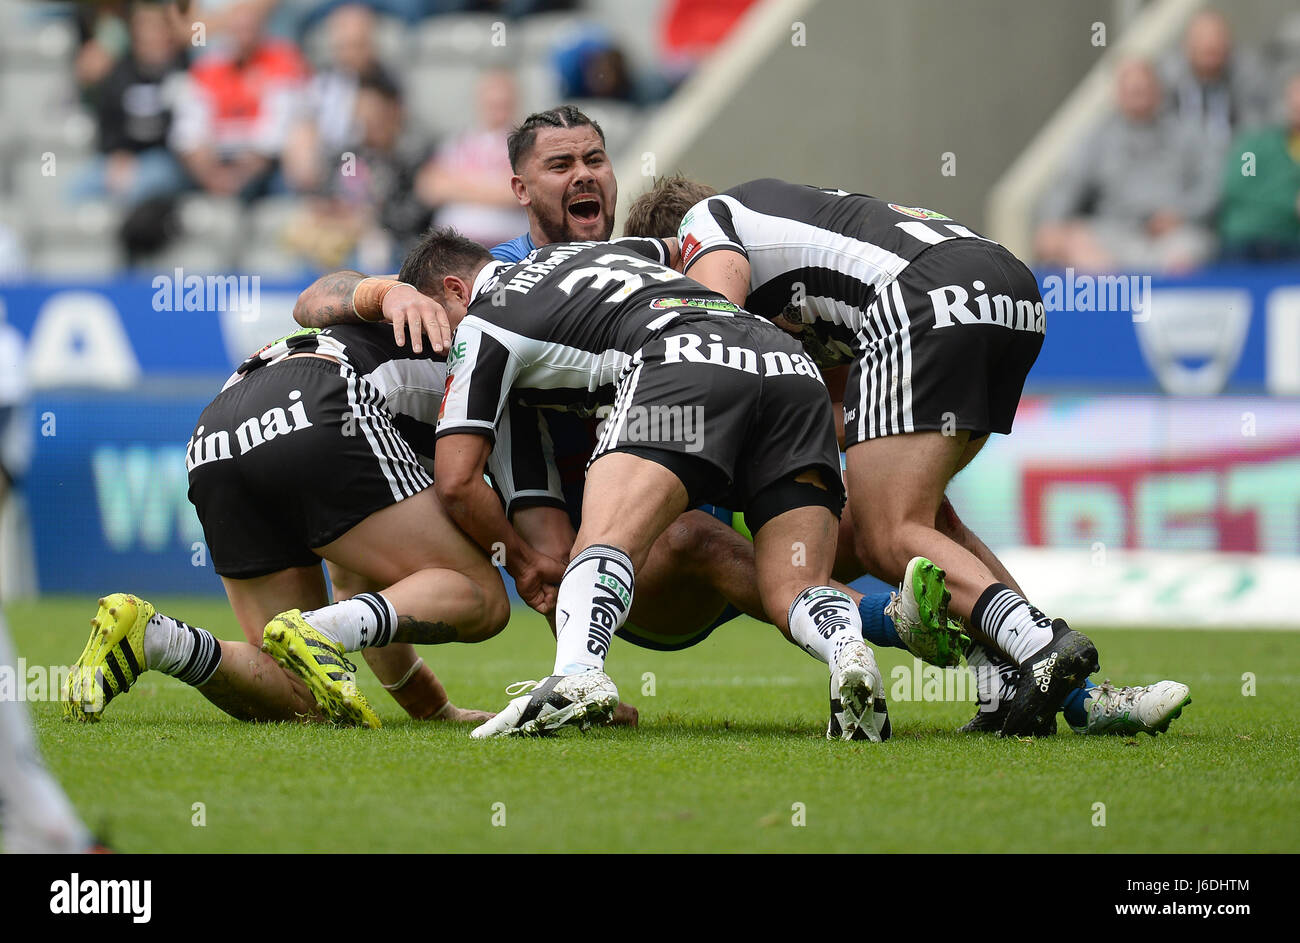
<point x="731" y="405"/>
<point x="290" y="458"/>
<point x="947" y="345"/>
<point x="540" y="458"/>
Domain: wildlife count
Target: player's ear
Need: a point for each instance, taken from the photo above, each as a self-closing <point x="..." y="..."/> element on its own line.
<point x="520" y="190"/>
<point x="455" y="289"/>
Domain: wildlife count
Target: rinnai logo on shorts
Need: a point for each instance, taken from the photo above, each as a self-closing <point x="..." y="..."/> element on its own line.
<point x="76" y="896"/>
<point x="950" y="307"/>
<point x="252" y="432"/>
<point x="607" y="606"/>
<point x="686" y="348"/>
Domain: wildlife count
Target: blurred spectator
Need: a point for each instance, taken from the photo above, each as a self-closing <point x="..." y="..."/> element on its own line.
<point x="366" y="207"/>
<point x="1212" y="86"/>
<point x="1284" y="46"/>
<point x="591" y="65"/>
<point x="102" y="39"/>
<point x="468" y="179"/>
<point x="1260" y="219"/>
<point x="1150" y="183"/>
<point x="692" y="30"/>
<point x="133" y="114"/>
<point x="234" y="113"/>
<point x="388" y="159"/>
<point x="215" y="14"/>
<point x="328" y="123"/>
<point x="295" y="18"/>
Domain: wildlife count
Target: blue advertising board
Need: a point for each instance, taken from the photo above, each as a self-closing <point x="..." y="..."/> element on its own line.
<point x="1219" y="330"/>
<point x="107" y="494"/>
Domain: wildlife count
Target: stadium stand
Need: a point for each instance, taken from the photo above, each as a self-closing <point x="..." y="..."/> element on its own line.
<point x="62" y="216"/>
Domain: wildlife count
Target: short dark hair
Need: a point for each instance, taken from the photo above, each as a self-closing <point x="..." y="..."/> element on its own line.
<point x="658" y="212"/>
<point x="520" y="142"/>
<point x="439" y="253"/>
<point x="376" y="79"/>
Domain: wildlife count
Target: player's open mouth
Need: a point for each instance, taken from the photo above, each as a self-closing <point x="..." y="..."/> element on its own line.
<point x="585" y="208"/>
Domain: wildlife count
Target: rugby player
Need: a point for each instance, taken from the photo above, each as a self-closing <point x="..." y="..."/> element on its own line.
<point x="589" y="324"/>
<point x="927" y="331"/>
<point x="304" y="455"/>
<point x="700" y="574"/>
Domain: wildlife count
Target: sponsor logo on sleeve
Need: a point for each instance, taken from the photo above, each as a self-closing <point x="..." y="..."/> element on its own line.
<point x="917" y="212"/>
<point x="707" y="304"/>
<point x="690" y="246"/>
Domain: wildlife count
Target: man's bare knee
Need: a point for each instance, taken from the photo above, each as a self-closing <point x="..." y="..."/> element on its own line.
<point x="699" y="537"/>
<point x="954" y="528"/>
<point x="682" y="535"/>
<point x="497" y="614"/>
<point x="947" y="522"/>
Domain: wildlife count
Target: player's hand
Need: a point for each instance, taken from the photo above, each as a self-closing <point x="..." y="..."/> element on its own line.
<point x="625" y="715"/>
<point x="411" y="312"/>
<point x="537" y="579"/>
<point x="452" y="714"/>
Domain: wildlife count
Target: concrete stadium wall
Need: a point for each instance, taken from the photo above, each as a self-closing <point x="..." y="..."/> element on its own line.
<point x="884" y="88"/>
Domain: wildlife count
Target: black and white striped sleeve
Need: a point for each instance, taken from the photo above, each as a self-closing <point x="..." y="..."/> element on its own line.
<point x="480" y="372"/>
<point x="709" y="225"/>
<point x="656" y="250"/>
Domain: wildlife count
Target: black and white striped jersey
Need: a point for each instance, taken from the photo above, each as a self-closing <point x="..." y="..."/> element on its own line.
<point x="818" y="257"/>
<point x="557" y="329"/>
<point x="411" y="384"/>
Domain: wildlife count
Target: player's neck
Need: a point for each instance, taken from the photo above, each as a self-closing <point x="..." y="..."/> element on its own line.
<point x="536" y="236"/>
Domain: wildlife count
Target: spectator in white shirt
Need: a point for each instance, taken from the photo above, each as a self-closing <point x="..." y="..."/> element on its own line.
<point x="467" y="181"/>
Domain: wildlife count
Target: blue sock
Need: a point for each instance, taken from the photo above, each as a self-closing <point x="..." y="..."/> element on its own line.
<point x="878" y="628"/>
<point x="1072" y="708"/>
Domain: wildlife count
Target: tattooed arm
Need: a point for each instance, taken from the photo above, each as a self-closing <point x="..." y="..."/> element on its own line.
<point x="329" y="300"/>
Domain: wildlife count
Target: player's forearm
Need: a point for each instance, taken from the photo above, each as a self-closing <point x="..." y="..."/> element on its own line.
<point x="334" y="299"/>
<point x="477" y="511"/>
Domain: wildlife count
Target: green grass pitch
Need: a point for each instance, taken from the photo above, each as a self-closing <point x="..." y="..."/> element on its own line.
<point x="729" y="757"/>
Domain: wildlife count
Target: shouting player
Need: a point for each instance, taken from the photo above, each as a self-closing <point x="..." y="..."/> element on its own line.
<point x="928" y="330"/>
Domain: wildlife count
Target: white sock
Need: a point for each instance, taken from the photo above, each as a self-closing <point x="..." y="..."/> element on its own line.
<point x="995" y="679"/>
<point x="185" y="652"/>
<point x="594" y="600"/>
<point x="37" y="814"/>
<point x="822" y="620"/>
<point x="367" y="620"/>
<point x="1011" y="622"/>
